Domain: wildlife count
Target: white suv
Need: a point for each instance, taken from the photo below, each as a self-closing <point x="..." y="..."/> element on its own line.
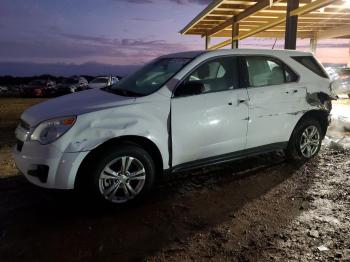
<point x="179" y="112"/>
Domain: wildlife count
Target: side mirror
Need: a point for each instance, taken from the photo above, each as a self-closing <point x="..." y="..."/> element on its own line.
<point x="190" y="88"/>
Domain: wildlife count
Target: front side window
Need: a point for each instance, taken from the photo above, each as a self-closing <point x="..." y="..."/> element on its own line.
<point x="216" y="75"/>
<point x="264" y="71"/>
<point x="149" y="78"/>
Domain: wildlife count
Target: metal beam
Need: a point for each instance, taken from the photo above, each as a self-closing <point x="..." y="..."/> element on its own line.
<point x="250" y="33"/>
<point x="241" y="16"/>
<point x="309" y="7"/>
<point x="290" y="41"/>
<point x="334" y="32"/>
<point x="317" y="4"/>
<point x="220" y="45"/>
<point x="201" y="15"/>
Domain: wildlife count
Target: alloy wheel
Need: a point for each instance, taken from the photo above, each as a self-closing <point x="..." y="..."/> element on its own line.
<point x="310" y="141"/>
<point x="122" y="179"/>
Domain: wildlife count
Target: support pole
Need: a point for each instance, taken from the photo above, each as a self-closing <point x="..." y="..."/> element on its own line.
<point x="291" y="25"/>
<point x="207" y="42"/>
<point x="349" y="56"/>
<point x="313" y="44"/>
<point x="235" y="33"/>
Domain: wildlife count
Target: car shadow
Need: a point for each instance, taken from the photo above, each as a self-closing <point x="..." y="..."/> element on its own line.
<point x="37" y="224"/>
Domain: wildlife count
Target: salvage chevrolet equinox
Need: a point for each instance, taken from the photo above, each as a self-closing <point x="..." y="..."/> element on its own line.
<point x="180" y="111"/>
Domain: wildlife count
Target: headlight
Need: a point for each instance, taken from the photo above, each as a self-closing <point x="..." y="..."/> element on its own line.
<point x="50" y="130"/>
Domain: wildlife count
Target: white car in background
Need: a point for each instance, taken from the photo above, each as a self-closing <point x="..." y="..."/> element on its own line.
<point x="103" y="81"/>
<point x="179" y="112"/>
<point x="341" y="80"/>
<point x="4" y="89"/>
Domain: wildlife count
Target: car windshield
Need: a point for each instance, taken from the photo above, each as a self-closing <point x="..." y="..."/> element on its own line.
<point x="149" y="78"/>
<point x="100" y="80"/>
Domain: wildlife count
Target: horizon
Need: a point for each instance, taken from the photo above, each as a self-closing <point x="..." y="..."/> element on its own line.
<point x="45" y="37"/>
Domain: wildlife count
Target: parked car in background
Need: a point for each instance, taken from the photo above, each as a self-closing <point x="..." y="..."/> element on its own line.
<point x="341" y="80"/>
<point x="71" y="85"/>
<point x="4" y="89"/>
<point x="103" y="81"/>
<point x="39" y="88"/>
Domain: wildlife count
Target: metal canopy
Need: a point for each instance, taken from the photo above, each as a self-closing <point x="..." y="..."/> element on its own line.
<point x="317" y="19"/>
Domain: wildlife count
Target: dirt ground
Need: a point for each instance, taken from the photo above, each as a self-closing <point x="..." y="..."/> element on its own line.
<point x="257" y="209"/>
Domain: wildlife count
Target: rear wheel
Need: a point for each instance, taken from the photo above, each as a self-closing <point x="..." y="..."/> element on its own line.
<point x="122" y="175"/>
<point x="306" y="140"/>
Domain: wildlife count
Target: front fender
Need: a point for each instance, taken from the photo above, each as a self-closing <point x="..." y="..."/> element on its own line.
<point x="96" y="128"/>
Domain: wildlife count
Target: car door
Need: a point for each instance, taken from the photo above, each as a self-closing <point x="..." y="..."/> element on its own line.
<point x="213" y="122"/>
<point x="276" y="99"/>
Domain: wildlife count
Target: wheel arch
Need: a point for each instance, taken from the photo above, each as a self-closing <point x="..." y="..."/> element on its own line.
<point x="320" y="115"/>
<point x="140" y="141"/>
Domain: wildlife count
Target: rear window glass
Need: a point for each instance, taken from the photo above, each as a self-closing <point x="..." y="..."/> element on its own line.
<point x="311" y="63"/>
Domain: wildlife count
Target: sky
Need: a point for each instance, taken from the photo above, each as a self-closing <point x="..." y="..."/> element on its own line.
<point x="37" y="35"/>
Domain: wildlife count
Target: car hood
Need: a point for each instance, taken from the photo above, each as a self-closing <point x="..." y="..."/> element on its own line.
<point x="74" y="104"/>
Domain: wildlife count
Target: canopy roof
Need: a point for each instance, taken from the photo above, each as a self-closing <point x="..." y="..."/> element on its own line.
<point x="266" y="18"/>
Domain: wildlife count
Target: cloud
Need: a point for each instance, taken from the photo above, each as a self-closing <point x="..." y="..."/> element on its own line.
<point x="126" y="43"/>
<point x="68" y="47"/>
<point x="64" y="69"/>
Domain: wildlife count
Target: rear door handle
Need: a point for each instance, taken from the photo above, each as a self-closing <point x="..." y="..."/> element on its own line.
<point x="239" y="101"/>
<point x="292" y="91"/>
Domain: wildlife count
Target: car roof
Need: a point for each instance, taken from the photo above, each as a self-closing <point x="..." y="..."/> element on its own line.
<point x="193" y="54"/>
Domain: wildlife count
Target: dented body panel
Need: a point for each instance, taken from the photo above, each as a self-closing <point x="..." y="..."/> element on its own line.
<point x="184" y="130"/>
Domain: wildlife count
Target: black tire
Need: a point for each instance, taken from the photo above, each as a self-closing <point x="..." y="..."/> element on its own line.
<point x="293" y="151"/>
<point x="94" y="184"/>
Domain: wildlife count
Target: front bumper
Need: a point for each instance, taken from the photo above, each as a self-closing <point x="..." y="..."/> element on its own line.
<point x="62" y="167"/>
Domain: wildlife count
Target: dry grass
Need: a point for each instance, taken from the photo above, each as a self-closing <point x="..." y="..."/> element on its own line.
<point x="10" y="112"/>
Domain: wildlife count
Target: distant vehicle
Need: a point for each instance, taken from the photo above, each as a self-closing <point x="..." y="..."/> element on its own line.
<point x="71" y="85"/>
<point x="4" y="89"/>
<point x="180" y="112"/>
<point x="39" y="88"/>
<point x="103" y="81"/>
<point x="341" y="80"/>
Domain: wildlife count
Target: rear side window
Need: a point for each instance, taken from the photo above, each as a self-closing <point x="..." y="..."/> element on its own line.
<point x="266" y="71"/>
<point x="311" y="63"/>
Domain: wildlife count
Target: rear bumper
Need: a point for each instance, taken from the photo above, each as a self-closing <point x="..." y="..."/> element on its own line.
<point x="46" y="166"/>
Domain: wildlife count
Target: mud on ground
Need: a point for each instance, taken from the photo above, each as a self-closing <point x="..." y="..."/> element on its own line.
<point x="257" y="209"/>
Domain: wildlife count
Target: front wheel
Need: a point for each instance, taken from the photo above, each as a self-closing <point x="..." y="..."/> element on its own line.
<point x="123" y="175"/>
<point x="305" y="141"/>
